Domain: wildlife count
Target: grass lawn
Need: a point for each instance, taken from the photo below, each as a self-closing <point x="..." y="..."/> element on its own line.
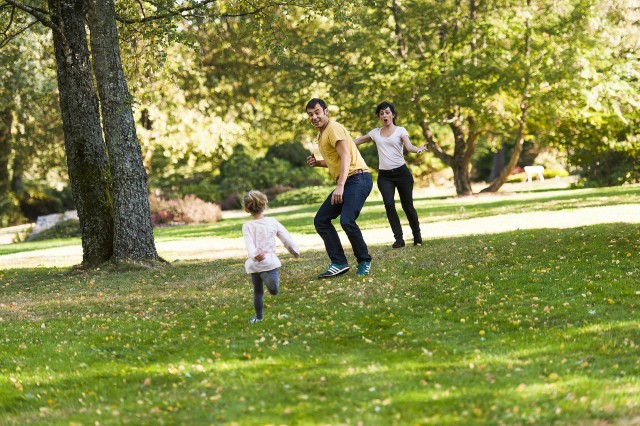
<point x="526" y="327"/>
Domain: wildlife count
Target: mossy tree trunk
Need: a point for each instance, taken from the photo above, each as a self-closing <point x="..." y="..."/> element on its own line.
<point x="133" y="231"/>
<point x="87" y="160"/>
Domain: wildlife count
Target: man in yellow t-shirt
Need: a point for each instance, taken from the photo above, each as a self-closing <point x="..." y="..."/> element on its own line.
<point x="353" y="185"/>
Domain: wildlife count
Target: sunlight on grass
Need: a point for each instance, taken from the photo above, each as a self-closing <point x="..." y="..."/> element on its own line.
<point x="464" y="330"/>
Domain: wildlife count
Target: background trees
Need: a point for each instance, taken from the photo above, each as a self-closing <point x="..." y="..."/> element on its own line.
<point x="468" y="78"/>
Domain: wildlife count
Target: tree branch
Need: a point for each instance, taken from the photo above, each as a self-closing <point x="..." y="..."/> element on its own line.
<point x="432" y="144"/>
<point x="7" y="38"/>
<point x="41" y="16"/>
<point x="180" y="11"/>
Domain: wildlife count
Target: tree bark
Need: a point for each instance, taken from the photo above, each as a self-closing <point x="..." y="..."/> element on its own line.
<point x="133" y="231"/>
<point x="86" y="154"/>
<point x="6" y="121"/>
<point x="147" y="155"/>
<point x="17" y="172"/>
<point x="462" y="152"/>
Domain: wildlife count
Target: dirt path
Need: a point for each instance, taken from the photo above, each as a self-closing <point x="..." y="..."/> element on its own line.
<point x="218" y="248"/>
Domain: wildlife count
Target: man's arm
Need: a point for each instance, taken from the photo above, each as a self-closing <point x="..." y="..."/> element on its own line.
<point x="342" y="147"/>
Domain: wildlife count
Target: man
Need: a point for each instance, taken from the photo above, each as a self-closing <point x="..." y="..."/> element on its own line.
<point x="353" y="185"/>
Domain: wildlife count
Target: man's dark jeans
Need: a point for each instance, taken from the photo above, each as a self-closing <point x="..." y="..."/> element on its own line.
<point x="388" y="181"/>
<point x="356" y="190"/>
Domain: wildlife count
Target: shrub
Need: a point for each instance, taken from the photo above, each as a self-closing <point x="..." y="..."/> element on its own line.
<point x="308" y="195"/>
<point x="292" y="152"/>
<point x="189" y="209"/>
<point x="10" y="213"/>
<point x="616" y="166"/>
<point x="66" y="229"/>
<point x="38" y="200"/>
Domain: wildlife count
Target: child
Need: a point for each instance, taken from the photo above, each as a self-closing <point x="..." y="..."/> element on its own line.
<point x="259" y="238"/>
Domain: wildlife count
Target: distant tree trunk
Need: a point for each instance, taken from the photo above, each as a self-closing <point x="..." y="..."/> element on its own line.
<point x="6" y="120"/>
<point x="133" y="231"/>
<point x="86" y="154"/>
<point x="498" y="163"/>
<point x="147" y="157"/>
<point x="17" y="175"/>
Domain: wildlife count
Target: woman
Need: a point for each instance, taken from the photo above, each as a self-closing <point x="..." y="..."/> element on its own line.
<point x="393" y="173"/>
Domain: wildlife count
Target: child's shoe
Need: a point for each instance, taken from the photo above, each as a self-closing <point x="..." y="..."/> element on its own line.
<point x="254" y="320"/>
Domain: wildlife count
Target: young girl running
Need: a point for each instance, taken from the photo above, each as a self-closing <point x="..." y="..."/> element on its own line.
<point x="259" y="238"/>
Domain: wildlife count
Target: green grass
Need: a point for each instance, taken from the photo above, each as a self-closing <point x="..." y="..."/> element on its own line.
<point x="430" y="209"/>
<point x="525" y="327"/>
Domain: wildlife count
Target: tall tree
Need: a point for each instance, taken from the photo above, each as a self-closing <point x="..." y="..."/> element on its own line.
<point x="133" y="234"/>
<point x="87" y="160"/>
<point x="89" y="165"/>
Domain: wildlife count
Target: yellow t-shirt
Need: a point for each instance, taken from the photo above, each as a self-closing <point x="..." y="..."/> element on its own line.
<point x="333" y="133"/>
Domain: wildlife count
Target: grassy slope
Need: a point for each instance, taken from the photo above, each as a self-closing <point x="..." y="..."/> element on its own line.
<point x="474" y="330"/>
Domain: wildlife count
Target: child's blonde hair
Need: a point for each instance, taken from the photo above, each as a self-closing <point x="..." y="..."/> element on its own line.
<point x="255" y="202"/>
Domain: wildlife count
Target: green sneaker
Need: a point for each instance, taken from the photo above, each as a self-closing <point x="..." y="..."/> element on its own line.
<point x="334" y="270"/>
<point x="364" y="267"/>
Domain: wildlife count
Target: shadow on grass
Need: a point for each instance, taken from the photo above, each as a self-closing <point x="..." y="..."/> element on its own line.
<point x="467" y="330"/>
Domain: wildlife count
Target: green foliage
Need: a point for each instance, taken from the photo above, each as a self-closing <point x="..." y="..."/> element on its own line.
<point x="10" y="213"/>
<point x="301" y="196"/>
<point x="69" y="228"/>
<point x="242" y="172"/>
<point x="40" y="200"/>
<point x="607" y="156"/>
<point x="293" y="152"/>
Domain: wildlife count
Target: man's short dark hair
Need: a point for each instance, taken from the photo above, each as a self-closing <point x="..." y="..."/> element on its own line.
<point x="316" y="101"/>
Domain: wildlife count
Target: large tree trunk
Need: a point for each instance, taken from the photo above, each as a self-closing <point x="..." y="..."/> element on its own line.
<point x="133" y="231"/>
<point x="461" y="178"/>
<point x="464" y="147"/>
<point x="86" y="154"/>
<point x="6" y="120"/>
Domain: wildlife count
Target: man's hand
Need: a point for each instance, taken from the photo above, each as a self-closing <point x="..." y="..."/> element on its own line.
<point x="311" y="161"/>
<point x="336" y="196"/>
